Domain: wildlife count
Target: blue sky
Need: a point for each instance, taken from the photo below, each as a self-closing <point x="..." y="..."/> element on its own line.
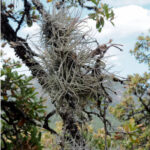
<point x="132" y="18"/>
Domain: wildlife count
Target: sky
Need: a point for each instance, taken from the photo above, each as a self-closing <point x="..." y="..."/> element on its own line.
<point x="132" y="18"/>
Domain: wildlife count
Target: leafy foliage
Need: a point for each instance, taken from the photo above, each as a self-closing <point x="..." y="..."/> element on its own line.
<point x="21" y="109"/>
<point x="100" y="14"/>
<point x="134" y="110"/>
<point x="141" y="50"/>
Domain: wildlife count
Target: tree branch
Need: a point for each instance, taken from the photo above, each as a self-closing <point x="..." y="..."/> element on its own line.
<point x="20" y="22"/>
<point x="40" y="8"/>
<point x="23" y="50"/>
<point x="87" y="7"/>
<point x="145" y="106"/>
<point x="18" y="114"/>
<point x="46" y="126"/>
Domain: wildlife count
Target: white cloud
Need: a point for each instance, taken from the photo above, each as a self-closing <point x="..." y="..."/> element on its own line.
<point x="129" y="20"/>
<point x="35" y="28"/>
<point x="118" y="3"/>
<point x="9" y="53"/>
<point x="33" y="32"/>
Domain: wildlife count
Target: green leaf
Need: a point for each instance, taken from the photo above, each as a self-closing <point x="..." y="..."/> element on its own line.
<point x="3" y="4"/>
<point x="33" y="13"/>
<point x="3" y="72"/>
<point x="40" y="135"/>
<point x="112" y="23"/>
<point x="100" y="30"/>
<point x="102" y="21"/>
<point x="106" y="10"/>
<point x="92" y="15"/>
<point x="98" y="24"/>
<point x="21" y="12"/>
<point x="29" y="78"/>
<point x="34" y="8"/>
<point x="94" y="1"/>
<point x="29" y="23"/>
